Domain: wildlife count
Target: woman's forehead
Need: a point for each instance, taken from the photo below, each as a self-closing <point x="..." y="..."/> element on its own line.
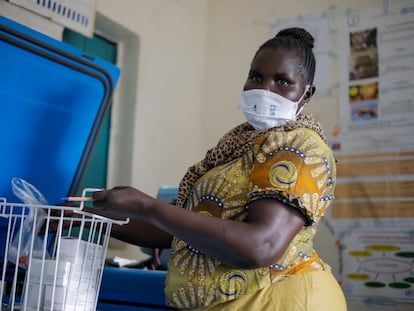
<point x="275" y="59"/>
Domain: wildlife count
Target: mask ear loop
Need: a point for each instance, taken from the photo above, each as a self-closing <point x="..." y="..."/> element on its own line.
<point x="307" y="87"/>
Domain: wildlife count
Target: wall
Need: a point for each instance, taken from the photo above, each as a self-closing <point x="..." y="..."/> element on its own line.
<point x="154" y="127"/>
<point x="169" y="86"/>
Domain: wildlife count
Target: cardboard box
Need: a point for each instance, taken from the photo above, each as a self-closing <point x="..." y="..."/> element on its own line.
<point x="58" y="295"/>
<point x="43" y="274"/>
<point x="68" y="299"/>
<point x="71" y="282"/>
<point x="86" y="260"/>
<point x="34" y="291"/>
<point x="49" y="272"/>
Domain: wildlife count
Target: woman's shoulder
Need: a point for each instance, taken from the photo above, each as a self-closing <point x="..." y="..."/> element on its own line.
<point x="301" y="139"/>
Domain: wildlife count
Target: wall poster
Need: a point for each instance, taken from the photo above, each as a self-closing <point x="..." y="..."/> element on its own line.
<point x="373" y="214"/>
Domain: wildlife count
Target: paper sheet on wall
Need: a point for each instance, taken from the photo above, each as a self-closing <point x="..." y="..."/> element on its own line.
<point x="377" y="263"/>
<point x="373" y="214"/>
<point x="377" y="89"/>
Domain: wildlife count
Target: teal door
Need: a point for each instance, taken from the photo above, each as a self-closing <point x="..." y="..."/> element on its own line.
<point x="96" y="170"/>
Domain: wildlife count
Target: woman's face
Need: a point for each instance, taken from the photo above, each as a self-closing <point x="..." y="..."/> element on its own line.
<point x="276" y="70"/>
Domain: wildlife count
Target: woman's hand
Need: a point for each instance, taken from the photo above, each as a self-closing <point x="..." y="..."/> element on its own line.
<point x="127" y="202"/>
<point x="122" y="202"/>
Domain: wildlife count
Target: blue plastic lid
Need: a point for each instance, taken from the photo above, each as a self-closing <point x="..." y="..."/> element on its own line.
<point x="52" y="103"/>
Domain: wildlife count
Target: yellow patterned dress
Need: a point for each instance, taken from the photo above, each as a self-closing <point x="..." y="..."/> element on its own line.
<point x="296" y="167"/>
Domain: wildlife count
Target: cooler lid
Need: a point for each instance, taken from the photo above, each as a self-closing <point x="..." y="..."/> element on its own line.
<point x="53" y="100"/>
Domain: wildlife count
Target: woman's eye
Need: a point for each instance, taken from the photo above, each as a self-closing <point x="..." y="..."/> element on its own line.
<point x="255" y="78"/>
<point x="282" y="82"/>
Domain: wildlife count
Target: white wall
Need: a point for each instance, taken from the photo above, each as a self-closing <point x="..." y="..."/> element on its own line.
<point x="169" y="89"/>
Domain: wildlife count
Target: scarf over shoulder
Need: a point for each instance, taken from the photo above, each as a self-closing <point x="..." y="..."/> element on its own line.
<point x="233" y="144"/>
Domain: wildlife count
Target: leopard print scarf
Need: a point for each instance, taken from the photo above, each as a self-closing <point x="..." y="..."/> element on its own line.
<point x="232" y="145"/>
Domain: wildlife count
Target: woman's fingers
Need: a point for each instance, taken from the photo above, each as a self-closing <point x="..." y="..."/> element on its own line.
<point x="100" y="195"/>
<point x="121" y="202"/>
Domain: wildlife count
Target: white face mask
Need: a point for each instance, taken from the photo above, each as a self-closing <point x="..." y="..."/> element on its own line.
<point x="264" y="109"/>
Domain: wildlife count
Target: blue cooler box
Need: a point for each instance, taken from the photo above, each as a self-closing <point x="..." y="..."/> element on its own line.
<point x="53" y="100"/>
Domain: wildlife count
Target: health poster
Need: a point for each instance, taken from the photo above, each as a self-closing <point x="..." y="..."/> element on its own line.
<point x="379" y="263"/>
<point x="377" y="86"/>
<point x="373" y="213"/>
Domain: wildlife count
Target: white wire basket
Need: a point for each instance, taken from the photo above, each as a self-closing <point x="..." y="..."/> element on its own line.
<point x="52" y="257"/>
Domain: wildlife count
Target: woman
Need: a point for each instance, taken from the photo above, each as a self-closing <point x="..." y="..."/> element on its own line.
<point x="241" y="232"/>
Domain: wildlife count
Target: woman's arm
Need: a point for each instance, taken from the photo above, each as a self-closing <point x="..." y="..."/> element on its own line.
<point x="259" y="241"/>
<point x="142" y="233"/>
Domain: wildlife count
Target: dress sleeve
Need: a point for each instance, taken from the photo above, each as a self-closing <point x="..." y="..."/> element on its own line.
<point x="295" y="167"/>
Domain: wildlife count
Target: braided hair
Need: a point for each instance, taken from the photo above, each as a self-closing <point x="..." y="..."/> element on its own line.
<point x="300" y="42"/>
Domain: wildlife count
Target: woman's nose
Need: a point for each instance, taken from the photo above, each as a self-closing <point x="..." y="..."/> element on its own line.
<point x="266" y="85"/>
